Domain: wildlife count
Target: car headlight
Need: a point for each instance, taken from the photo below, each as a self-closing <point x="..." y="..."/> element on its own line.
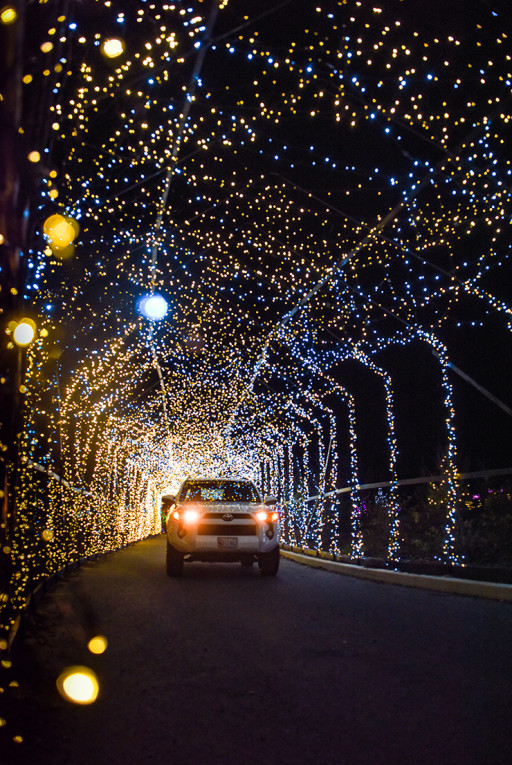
<point x="267" y="517"/>
<point x="190" y="517"/>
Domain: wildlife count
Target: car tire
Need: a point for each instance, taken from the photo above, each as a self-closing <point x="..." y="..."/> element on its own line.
<point x="174" y="561"/>
<point x="269" y="562"/>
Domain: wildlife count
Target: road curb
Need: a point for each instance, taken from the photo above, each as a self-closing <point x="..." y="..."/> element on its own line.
<point x="446" y="584"/>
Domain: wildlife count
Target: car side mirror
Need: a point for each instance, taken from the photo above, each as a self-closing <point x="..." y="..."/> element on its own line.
<point x="167" y="500"/>
<point x="269" y="500"/>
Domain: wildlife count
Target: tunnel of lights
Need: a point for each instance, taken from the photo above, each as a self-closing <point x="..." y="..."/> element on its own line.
<point x="311" y="196"/>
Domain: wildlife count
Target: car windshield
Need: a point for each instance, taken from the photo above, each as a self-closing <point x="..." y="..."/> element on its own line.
<point x="219" y="491"/>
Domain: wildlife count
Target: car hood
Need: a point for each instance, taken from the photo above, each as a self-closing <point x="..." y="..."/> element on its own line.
<point x="225" y="507"/>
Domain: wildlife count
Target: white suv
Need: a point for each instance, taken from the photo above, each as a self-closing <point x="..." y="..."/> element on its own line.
<point x="221" y="519"/>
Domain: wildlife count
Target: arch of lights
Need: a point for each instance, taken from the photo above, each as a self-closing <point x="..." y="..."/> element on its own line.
<point x="299" y="200"/>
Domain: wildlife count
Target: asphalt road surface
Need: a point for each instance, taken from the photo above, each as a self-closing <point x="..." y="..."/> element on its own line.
<point x="225" y="666"/>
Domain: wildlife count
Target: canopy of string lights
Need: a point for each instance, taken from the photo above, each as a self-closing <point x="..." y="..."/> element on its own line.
<point x="264" y="239"/>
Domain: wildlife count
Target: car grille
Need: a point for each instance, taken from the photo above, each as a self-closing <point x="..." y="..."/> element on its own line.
<point x="227" y="529"/>
<point x="236" y="516"/>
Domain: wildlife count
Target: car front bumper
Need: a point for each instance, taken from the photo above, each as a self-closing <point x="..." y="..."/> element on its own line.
<point x="224" y="540"/>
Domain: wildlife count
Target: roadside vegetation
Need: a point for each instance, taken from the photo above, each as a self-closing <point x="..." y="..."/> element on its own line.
<point x="484" y="524"/>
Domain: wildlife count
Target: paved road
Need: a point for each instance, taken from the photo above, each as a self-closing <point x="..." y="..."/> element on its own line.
<point x="225" y="666"/>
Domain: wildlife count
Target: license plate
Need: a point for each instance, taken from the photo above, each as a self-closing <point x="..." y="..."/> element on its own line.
<point x="227" y="542"/>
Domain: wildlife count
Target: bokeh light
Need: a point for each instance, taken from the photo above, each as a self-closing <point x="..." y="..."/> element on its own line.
<point x="113" y="47"/>
<point x="60" y="230"/>
<point x="8" y="15"/>
<point x="79" y="685"/>
<point x="153" y="307"/>
<point x="98" y="644"/>
<point x="24" y="332"/>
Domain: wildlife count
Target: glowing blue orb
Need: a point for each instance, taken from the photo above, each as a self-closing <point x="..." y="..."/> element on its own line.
<point x="153" y="307"/>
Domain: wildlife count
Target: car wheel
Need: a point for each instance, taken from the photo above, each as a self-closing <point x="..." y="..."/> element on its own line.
<point x="174" y="561"/>
<point x="269" y="562"/>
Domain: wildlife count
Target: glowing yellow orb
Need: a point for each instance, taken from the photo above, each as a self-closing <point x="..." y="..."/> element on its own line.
<point x="79" y="685"/>
<point x="113" y="47"/>
<point x="60" y="230"/>
<point x="34" y="156"/>
<point x="24" y="332"/>
<point x="8" y="15"/>
<point x="98" y="644"/>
